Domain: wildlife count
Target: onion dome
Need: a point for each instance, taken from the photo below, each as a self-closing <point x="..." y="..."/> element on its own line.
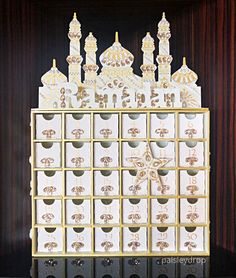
<point x="90" y="43"/>
<point x="75" y="28"/>
<point x="148" y="43"/>
<point x="53" y="77"/>
<point x="163" y="23"/>
<point x="184" y="75"/>
<point x="163" y="29"/>
<point x="116" y="55"/>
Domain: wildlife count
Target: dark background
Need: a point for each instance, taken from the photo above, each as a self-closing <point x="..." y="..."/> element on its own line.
<point x="34" y="32"/>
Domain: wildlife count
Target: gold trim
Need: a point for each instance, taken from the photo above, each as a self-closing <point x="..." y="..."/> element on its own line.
<point x="63" y="162"/>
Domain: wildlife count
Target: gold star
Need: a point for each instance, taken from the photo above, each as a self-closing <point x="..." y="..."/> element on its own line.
<point x="147" y="166"/>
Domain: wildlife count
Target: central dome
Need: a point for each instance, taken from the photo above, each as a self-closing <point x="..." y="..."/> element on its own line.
<point x="116" y="55"/>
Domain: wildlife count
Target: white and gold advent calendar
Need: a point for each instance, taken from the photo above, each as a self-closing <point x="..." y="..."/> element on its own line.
<point x="120" y="163"/>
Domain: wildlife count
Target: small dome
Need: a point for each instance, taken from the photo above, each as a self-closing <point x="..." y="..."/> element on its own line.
<point x="75" y="28"/>
<point x="163" y="23"/>
<point x="163" y="29"/>
<point x="148" y="38"/>
<point x="184" y="75"/>
<point x="90" y="38"/>
<point x="148" y="43"/>
<point x="53" y="77"/>
<point x="116" y="56"/>
<point x="74" y="22"/>
<point x="90" y="43"/>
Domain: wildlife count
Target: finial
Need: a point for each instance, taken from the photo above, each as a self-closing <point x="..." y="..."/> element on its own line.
<point x="163" y="15"/>
<point x="74" y="16"/>
<point x="184" y="61"/>
<point x="116" y="37"/>
<point x="90" y="33"/>
<point x="54" y="63"/>
<point x="148" y="33"/>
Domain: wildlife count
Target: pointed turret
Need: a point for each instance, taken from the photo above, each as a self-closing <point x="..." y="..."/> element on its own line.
<point x="90" y="67"/>
<point x="148" y="68"/>
<point x="164" y="58"/>
<point x="74" y="59"/>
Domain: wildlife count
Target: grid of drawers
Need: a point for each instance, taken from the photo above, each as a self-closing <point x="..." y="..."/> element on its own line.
<point x="84" y="196"/>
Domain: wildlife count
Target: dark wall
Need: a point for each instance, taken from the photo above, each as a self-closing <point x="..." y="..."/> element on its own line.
<point x="34" y="32"/>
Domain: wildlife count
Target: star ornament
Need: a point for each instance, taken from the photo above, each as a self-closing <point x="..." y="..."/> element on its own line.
<point x="147" y="166"/>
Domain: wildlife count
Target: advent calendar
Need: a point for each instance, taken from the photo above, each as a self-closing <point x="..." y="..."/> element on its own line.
<point x="120" y="163"/>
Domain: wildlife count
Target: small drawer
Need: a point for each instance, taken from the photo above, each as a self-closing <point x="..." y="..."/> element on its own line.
<point x="129" y="186"/>
<point x="163" y="211"/>
<point x="164" y="149"/>
<point x="106" y="183"/>
<point x="193" y="239"/>
<point x="135" y="211"/>
<point x="191" y="154"/>
<point x="193" y="210"/>
<point x="134" y="125"/>
<point x="78" y="155"/>
<point x="78" y="211"/>
<point x="106" y="154"/>
<point x="79" y="240"/>
<point x="163" y="239"/>
<point x="77" y="126"/>
<point x="49" y="240"/>
<point x="78" y="183"/>
<point x="106" y="211"/>
<point x="48" y="211"/>
<point x="48" y="126"/>
<point x="48" y="155"/>
<point x="191" y="125"/>
<point x="167" y="185"/>
<point x="107" y="239"/>
<point x="49" y="183"/>
<point x="134" y="239"/>
<point x="192" y="182"/>
<point x="162" y="125"/>
<point x="106" y="126"/>
<point x="132" y="149"/>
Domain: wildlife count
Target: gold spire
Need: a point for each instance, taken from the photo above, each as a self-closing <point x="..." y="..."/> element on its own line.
<point x="163" y="15"/>
<point x="184" y="61"/>
<point x="54" y="63"/>
<point x="74" y="16"/>
<point x="116" y="37"/>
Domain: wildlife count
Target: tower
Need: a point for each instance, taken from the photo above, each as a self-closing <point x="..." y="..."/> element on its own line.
<point x="74" y="59"/>
<point x="148" y="68"/>
<point x="164" y="58"/>
<point x="90" y="67"/>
